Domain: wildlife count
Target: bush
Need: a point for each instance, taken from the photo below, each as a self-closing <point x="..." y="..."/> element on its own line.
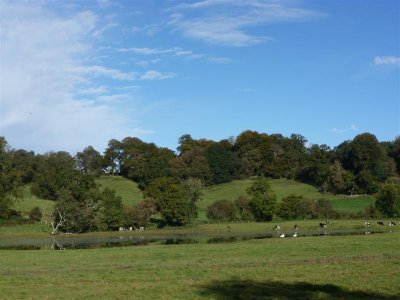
<point x="35" y="214"/>
<point x="295" y="207"/>
<point x="222" y="210"/>
<point x="243" y="206"/>
<point x="324" y="209"/>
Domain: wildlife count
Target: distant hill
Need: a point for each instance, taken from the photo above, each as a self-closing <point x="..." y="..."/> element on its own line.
<point x="131" y="194"/>
<point x="127" y="189"/>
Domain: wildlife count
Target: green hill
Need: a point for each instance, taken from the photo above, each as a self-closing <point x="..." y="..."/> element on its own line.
<point x="131" y="194"/>
<point x="29" y="201"/>
<point x="282" y="188"/>
<point x="125" y="188"/>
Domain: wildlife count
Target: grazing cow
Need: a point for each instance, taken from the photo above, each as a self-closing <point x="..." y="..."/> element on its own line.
<point x="367" y="224"/>
<point x="391" y="223"/>
<point x="277" y="227"/>
<point x="282" y="235"/>
<point x="322" y="225"/>
<point x="121" y="229"/>
<point x="380" y="223"/>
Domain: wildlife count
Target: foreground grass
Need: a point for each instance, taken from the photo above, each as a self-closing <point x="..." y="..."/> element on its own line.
<point x="349" y="267"/>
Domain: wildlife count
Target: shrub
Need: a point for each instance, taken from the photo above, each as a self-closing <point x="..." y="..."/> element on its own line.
<point x="35" y="214"/>
<point x="243" y="206"/>
<point x="222" y="210"/>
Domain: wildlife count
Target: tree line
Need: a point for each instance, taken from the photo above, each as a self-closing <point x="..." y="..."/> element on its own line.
<point x="172" y="181"/>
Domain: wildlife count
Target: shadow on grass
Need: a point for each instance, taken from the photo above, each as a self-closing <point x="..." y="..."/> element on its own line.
<point x="247" y="289"/>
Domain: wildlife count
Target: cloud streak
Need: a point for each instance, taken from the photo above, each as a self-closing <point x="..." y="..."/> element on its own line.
<point x="226" y="23"/>
<point x="387" y="61"/>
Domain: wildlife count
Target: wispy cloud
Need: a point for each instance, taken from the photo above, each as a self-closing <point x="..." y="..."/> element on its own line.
<point x="246" y="90"/>
<point x="175" y="52"/>
<point x="227" y="22"/>
<point x="344" y="130"/>
<point x="45" y="72"/>
<point x="386" y="61"/>
<point x="155" y="75"/>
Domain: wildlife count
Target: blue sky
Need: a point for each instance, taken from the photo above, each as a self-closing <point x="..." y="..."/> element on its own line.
<point x="79" y="73"/>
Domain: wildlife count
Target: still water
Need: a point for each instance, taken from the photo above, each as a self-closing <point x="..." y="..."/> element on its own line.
<point x="64" y="242"/>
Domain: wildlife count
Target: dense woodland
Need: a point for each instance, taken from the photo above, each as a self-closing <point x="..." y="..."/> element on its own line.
<point x="172" y="181"/>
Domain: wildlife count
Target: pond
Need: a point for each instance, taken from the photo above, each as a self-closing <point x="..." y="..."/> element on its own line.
<point x="63" y="242"/>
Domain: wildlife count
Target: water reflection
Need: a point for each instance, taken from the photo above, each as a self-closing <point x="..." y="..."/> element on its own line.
<point x="85" y="242"/>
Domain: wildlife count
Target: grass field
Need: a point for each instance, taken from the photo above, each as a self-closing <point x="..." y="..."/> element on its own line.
<point x="348" y="267"/>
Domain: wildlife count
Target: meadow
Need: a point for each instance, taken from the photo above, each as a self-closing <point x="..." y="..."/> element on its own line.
<point x="332" y="267"/>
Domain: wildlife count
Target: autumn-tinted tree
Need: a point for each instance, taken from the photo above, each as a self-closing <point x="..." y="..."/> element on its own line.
<point x="139" y="214"/>
<point x="242" y="204"/>
<point x="222" y="210"/>
<point x="263" y="200"/>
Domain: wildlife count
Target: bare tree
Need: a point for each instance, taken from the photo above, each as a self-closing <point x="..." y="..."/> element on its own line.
<point x="60" y="223"/>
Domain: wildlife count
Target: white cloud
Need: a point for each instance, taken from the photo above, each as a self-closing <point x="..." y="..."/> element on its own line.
<point x="149" y="51"/>
<point x="44" y="71"/>
<point x="387" y="60"/>
<point x="155" y="75"/>
<point x="344" y="130"/>
<point x="175" y="51"/>
<point x="226" y="22"/>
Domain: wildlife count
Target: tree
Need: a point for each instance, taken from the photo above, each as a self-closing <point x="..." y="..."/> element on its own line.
<point x="388" y="199"/>
<point x="110" y="209"/>
<point x="9" y="181"/>
<point x="172" y="199"/>
<point x="55" y="171"/>
<point x="221" y="210"/>
<point x="89" y="161"/>
<point x="293" y="207"/>
<point x="222" y="163"/>
<point x="263" y="200"/>
<point x="242" y="204"/>
<point x="366" y="158"/>
<point x="139" y="214"/>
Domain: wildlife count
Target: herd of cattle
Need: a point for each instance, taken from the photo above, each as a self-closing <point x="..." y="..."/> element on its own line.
<point x="324" y="225"/>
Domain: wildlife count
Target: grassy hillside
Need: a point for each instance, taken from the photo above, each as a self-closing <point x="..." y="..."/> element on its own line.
<point x="125" y="188"/>
<point x="282" y="188"/>
<point x="29" y="201"/>
<point x="130" y="194"/>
